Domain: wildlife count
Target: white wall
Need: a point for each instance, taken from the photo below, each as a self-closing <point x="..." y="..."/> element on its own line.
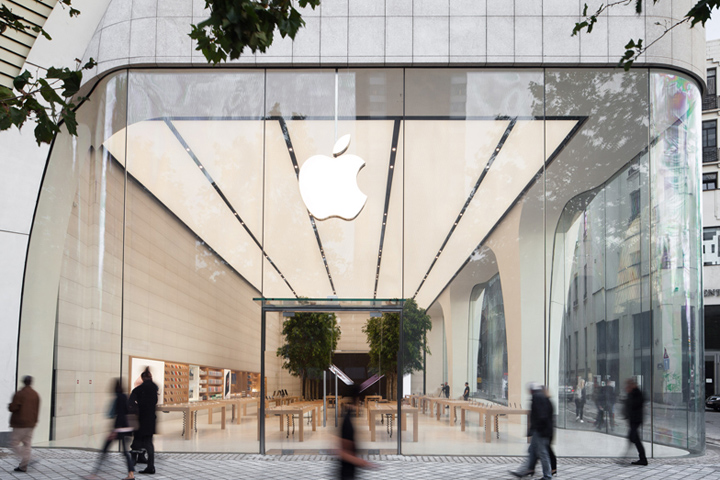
<point x="417" y="32"/>
<point x="22" y="162"/>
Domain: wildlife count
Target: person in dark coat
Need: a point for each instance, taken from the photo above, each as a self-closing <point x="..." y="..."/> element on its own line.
<point x="25" y="408"/>
<point x="144" y="398"/>
<point x="349" y="460"/>
<point x="634" y="405"/>
<point x="121" y="431"/>
<point x="541" y="431"/>
<point x="466" y="392"/>
<point x="601" y="404"/>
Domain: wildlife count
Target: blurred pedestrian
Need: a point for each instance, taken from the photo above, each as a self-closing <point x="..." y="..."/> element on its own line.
<point x="123" y="427"/>
<point x="610" y="399"/>
<point x="541" y="431"/>
<point x="446" y="390"/>
<point x="143" y="399"/>
<point x="580" y="400"/>
<point x="25" y="408"/>
<point x="349" y="459"/>
<point x="466" y="392"/>
<point x="634" y="405"/>
<point x="600" y="404"/>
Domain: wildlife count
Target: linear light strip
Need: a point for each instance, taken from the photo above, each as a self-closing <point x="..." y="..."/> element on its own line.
<point x="551" y="158"/>
<point x="293" y="158"/>
<point x="195" y="159"/>
<point x="494" y="155"/>
<point x="391" y="170"/>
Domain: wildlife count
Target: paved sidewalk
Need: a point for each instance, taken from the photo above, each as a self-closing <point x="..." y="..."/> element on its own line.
<point x="56" y="464"/>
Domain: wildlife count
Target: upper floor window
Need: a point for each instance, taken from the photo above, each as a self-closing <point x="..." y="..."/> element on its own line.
<point x="709" y="139"/>
<point x="710" y="244"/>
<point x="710" y="98"/>
<point x="710" y="181"/>
<point x="634" y="204"/>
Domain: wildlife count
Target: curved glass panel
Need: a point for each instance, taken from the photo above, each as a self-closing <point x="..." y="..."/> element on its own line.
<point x="545" y="223"/>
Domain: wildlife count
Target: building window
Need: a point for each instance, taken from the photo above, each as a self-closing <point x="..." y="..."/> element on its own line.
<point x="709" y="181"/>
<point x="709" y="139"/>
<point x="576" y="291"/>
<point x="585" y="283"/>
<point x="634" y="204"/>
<point x="710" y="98"/>
<point x="711" y="246"/>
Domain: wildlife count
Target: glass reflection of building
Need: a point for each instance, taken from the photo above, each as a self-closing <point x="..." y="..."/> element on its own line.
<point x="492" y="361"/>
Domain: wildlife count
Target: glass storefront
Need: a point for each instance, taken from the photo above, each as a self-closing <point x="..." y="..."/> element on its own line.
<point x="546" y="219"/>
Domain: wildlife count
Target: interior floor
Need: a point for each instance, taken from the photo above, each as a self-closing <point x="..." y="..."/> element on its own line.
<point x="435" y="437"/>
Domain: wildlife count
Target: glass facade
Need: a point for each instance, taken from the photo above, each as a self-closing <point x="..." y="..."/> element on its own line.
<point x="547" y="219"/>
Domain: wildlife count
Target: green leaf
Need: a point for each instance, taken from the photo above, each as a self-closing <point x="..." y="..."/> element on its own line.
<point x="18" y="116"/>
<point x="71" y="124"/>
<point x="45" y="130"/>
<point x="5" y="93"/>
<point x="22" y="80"/>
<point x="49" y="94"/>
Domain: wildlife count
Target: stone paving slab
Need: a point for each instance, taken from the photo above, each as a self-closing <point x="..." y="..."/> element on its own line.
<point x="60" y="464"/>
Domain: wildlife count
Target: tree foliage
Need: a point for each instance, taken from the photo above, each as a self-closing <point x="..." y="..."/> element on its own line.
<point x="383" y="336"/>
<point x="310" y="338"/>
<point x="47" y="101"/>
<point x="699" y="13"/>
<point x="234" y="25"/>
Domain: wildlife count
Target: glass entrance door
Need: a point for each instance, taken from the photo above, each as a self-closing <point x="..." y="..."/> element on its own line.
<point x="325" y="359"/>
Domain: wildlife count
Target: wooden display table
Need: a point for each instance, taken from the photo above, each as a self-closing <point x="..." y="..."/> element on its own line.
<point x="241" y="404"/>
<point x="440" y="403"/>
<point x="426" y="400"/>
<point x="487" y="411"/>
<point x="390" y="408"/>
<point x="300" y="409"/>
<point x="373" y="399"/>
<point x="189" y="409"/>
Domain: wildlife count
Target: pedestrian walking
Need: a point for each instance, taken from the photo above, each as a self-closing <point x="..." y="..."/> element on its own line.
<point x="610" y="399"/>
<point x="600" y="404"/>
<point x="634" y="406"/>
<point x="466" y="392"/>
<point x="541" y="431"/>
<point x="580" y="398"/>
<point x="123" y="427"/>
<point x="25" y="408"/>
<point x="349" y="459"/>
<point x="143" y="400"/>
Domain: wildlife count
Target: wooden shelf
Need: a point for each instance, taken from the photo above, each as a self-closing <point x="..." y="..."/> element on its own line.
<point x="177" y="383"/>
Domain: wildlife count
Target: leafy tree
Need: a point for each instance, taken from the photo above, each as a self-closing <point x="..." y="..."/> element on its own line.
<point x="699" y="13"/>
<point x="47" y="100"/>
<point x="383" y="335"/>
<point x="233" y="26"/>
<point x="310" y="339"/>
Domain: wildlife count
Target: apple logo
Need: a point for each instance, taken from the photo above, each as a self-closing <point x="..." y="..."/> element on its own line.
<point x="328" y="186"/>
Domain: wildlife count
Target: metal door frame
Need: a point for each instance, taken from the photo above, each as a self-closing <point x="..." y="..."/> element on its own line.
<point x="398" y="308"/>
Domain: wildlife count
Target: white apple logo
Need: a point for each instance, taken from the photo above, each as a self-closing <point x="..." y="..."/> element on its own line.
<point x="329" y="186"/>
